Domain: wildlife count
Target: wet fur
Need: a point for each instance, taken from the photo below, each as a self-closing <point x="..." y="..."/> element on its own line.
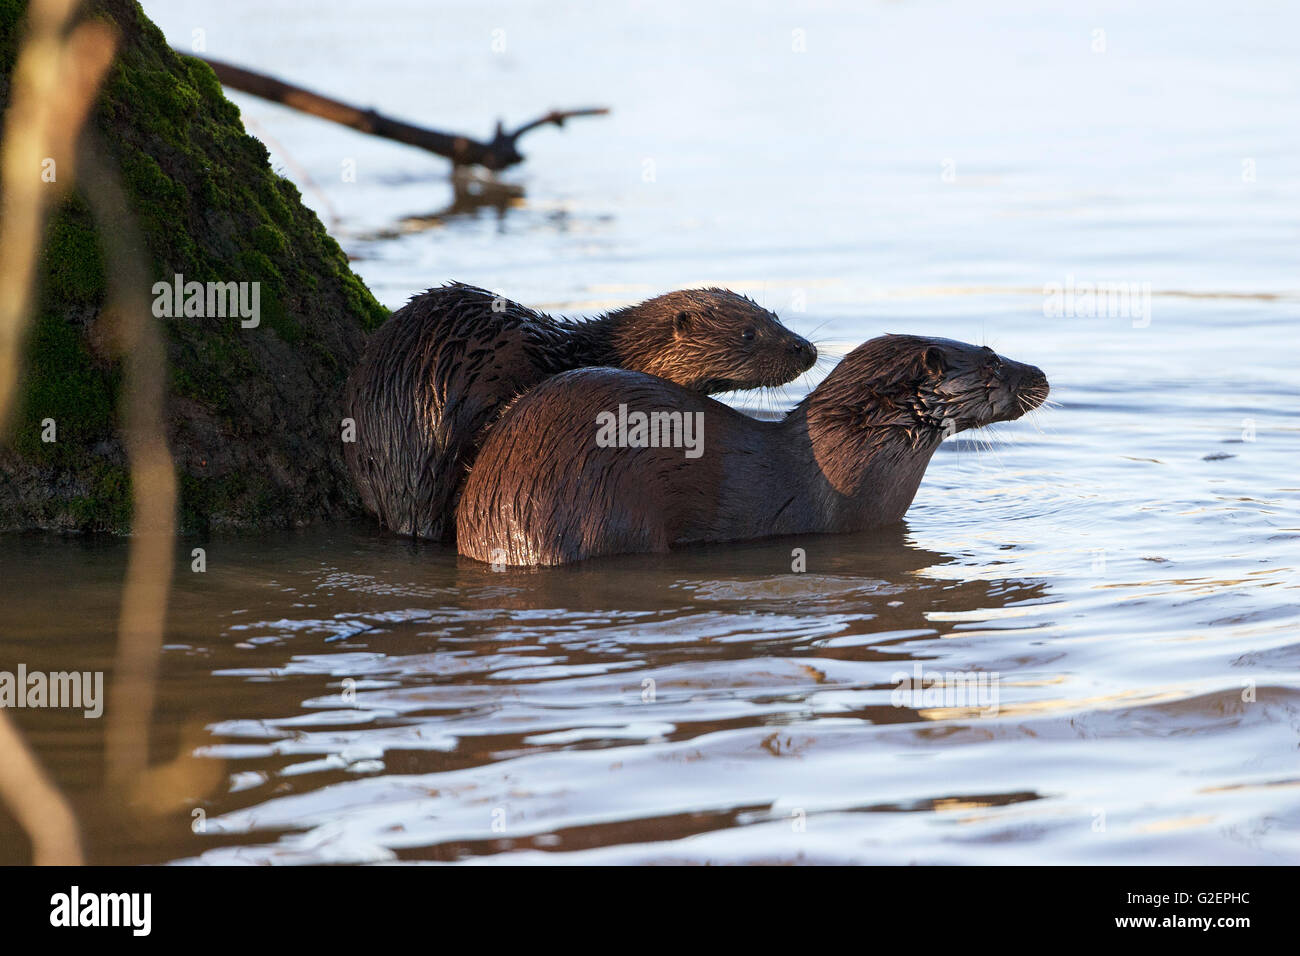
<point x="443" y="367"/>
<point x="849" y="457"/>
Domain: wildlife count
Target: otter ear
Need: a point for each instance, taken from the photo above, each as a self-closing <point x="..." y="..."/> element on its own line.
<point x="682" y="323"/>
<point x="934" y="360"/>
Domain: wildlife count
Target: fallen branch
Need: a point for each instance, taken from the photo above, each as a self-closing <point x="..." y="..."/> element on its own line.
<point x="498" y="153"/>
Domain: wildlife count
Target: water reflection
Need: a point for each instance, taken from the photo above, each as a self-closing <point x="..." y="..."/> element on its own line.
<point x="473" y="192"/>
<point x="369" y="665"/>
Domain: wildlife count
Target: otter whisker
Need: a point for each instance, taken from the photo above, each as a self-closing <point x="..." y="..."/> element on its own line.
<point x="819" y="327"/>
<point x="808" y="382"/>
<point x="992" y="450"/>
<point x="1028" y="412"/>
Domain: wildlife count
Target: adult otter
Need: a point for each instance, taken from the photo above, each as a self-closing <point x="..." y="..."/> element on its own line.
<point x="848" y="457"/>
<point x="445" y="364"/>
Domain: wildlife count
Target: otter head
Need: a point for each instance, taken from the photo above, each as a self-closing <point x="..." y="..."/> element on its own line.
<point x="710" y="340"/>
<point x="917" y="390"/>
<point x="967" y="386"/>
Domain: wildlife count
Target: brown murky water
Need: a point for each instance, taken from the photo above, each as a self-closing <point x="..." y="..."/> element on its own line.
<point x="366" y="699"/>
<point x="1123" y="571"/>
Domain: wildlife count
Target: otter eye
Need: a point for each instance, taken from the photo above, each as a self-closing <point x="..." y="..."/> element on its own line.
<point x="748" y="335"/>
<point x="682" y="322"/>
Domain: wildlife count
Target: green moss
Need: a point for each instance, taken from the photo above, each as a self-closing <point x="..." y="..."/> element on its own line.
<point x="145" y="177"/>
<point x="361" y="303"/>
<point x="275" y="317"/>
<point x="108" y="506"/>
<point x="207" y="86"/>
<point x="71" y="263"/>
<point x="254" y="265"/>
<point x="269" y="240"/>
<point x="210" y="208"/>
<point x="62" y="383"/>
<point x="277" y="201"/>
<point x="249" y="498"/>
<point x="196" y="502"/>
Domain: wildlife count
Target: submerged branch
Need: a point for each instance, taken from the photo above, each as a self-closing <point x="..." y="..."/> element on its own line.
<point x="498" y="153"/>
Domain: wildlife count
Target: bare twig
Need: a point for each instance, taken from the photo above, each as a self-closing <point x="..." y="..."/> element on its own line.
<point x="36" y="802"/>
<point x="143" y="616"/>
<point x="498" y="153"/>
<point x="54" y="82"/>
<point x="153" y="474"/>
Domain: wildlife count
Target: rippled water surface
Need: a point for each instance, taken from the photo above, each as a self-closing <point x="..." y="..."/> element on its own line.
<point x="1122" y="569"/>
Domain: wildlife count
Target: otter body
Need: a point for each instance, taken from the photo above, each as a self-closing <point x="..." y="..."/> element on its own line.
<point x="440" y="370"/>
<point x="547" y="490"/>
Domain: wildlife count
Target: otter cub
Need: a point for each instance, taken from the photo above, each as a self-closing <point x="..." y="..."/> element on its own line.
<point x="445" y="364"/>
<point x="549" y="488"/>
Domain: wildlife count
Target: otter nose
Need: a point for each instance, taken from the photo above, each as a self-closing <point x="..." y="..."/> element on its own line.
<point x="803" y="354"/>
<point x="1031" y="376"/>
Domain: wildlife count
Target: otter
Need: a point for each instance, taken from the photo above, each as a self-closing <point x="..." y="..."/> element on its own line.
<point x="548" y="490"/>
<point x="438" y="372"/>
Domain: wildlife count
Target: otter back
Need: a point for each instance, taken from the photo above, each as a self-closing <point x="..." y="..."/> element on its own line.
<point x="569" y="472"/>
<point x="432" y="378"/>
<point x="438" y="373"/>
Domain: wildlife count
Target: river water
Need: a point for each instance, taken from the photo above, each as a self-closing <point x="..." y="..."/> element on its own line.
<point x="1101" y="602"/>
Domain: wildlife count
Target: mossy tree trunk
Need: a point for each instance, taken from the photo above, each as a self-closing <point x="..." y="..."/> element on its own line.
<point x="254" y="413"/>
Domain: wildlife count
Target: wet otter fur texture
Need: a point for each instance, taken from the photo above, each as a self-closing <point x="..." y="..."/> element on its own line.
<point x="849" y="457"/>
<point x="440" y="370"/>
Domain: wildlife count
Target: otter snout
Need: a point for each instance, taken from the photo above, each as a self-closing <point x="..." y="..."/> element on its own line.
<point x="1031" y="383"/>
<point x="803" y="352"/>
<point x="1027" y="389"/>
